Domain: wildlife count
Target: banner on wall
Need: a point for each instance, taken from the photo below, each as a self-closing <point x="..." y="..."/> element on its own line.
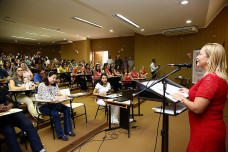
<point x="197" y="73"/>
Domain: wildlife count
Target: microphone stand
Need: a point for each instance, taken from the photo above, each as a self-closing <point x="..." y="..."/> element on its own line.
<point x="165" y="121"/>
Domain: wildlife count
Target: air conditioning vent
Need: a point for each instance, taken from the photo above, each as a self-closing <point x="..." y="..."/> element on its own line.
<point x="180" y="30"/>
<point x="65" y="42"/>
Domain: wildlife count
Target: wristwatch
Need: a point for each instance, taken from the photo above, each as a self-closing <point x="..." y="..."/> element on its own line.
<point x="182" y="100"/>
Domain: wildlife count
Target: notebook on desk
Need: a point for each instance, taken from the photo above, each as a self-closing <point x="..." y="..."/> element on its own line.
<point x="121" y="99"/>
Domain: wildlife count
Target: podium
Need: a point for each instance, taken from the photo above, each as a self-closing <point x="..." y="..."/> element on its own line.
<point x="172" y="106"/>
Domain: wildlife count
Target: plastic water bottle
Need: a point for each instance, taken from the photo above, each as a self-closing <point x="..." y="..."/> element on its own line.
<point x="27" y="86"/>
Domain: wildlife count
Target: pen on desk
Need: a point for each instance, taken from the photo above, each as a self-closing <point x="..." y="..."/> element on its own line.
<point x="167" y="93"/>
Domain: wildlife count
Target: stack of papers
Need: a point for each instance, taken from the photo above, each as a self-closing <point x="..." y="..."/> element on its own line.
<point x="170" y="109"/>
<point x="158" y="88"/>
<point x="11" y="111"/>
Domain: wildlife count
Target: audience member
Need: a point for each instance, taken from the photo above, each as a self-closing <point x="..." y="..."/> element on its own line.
<point x="48" y="90"/>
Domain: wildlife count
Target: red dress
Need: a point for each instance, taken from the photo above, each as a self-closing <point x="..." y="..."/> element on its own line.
<point x="208" y="130"/>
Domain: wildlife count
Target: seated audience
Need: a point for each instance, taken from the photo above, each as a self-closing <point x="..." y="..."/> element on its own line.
<point x="16" y="84"/>
<point x="127" y="77"/>
<point x="79" y="79"/>
<point x="143" y="72"/>
<point x="19" y="120"/>
<point x="39" y="76"/>
<point x="26" y="72"/>
<point x="4" y="76"/>
<point x="101" y="89"/>
<point x="48" y="90"/>
<point x="97" y="73"/>
<point x="63" y="69"/>
<point x="7" y="67"/>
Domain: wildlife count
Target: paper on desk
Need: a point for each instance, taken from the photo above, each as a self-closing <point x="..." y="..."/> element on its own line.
<point x="170" y="109"/>
<point x="112" y="96"/>
<point x="169" y="90"/>
<point x="13" y="110"/>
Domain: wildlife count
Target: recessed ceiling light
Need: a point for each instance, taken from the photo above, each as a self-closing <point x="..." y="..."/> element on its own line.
<point x="64" y="38"/>
<point x="88" y="22"/>
<point x="122" y="18"/>
<point x="58" y="30"/>
<point x="142" y="30"/>
<point x="53" y="42"/>
<point x="184" y="2"/>
<point x="111" y="31"/>
<point x="39" y="43"/>
<point x="38" y="34"/>
<point x="77" y="35"/>
<point x="188" y="21"/>
<point x="26" y="38"/>
<point x="88" y="36"/>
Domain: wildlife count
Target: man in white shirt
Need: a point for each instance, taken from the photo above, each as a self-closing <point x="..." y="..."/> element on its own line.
<point x="131" y="63"/>
<point x="110" y="61"/>
<point x="153" y="68"/>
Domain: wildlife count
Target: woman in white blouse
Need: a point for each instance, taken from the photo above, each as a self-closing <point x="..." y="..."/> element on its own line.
<point x="102" y="89"/>
<point x="48" y="90"/>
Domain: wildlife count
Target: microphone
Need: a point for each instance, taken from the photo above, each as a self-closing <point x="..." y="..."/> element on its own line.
<point x="187" y="65"/>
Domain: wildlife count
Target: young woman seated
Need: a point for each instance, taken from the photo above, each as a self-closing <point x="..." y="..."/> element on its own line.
<point x="79" y="79"/>
<point x="143" y="72"/>
<point x="97" y="74"/>
<point x="48" y="90"/>
<point x="117" y="71"/>
<point x="126" y="76"/>
<point x="8" y="122"/>
<point x="102" y="89"/>
<point x="134" y="74"/>
<point x="16" y="83"/>
<point x="63" y="69"/>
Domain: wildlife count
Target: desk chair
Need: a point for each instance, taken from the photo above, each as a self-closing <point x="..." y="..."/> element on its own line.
<point x="101" y="108"/>
<point x="73" y="106"/>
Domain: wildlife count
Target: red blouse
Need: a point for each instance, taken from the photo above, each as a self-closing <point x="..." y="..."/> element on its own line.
<point x="208" y="130"/>
<point x="134" y="74"/>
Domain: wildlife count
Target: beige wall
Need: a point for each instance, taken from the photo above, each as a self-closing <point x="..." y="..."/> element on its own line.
<point x="13" y="48"/>
<point x="173" y="49"/>
<point x="113" y="45"/>
<point x="83" y="47"/>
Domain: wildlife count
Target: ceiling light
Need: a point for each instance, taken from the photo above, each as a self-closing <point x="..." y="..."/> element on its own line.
<point x="184" y="2"/>
<point x="38" y="34"/>
<point x="142" y="30"/>
<point x="53" y="30"/>
<point x="39" y="43"/>
<point x="77" y="35"/>
<point x="122" y="18"/>
<point x="188" y="21"/>
<point x="53" y="42"/>
<point x="88" y="22"/>
<point x="26" y="38"/>
<point x="111" y="31"/>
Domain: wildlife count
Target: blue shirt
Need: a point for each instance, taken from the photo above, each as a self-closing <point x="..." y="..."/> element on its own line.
<point x="3" y="73"/>
<point x="37" y="78"/>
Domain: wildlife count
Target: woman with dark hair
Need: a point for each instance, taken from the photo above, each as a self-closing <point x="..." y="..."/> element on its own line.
<point x="7" y="67"/>
<point x="117" y="71"/>
<point x="48" y="90"/>
<point x="19" y="120"/>
<point x="63" y="69"/>
<point x="79" y="79"/>
<point x="16" y="83"/>
<point x="127" y="77"/>
<point x="102" y="89"/>
<point x="97" y="73"/>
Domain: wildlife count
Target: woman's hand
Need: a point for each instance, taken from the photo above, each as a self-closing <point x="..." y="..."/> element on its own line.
<point x="184" y="90"/>
<point x="58" y="93"/>
<point x="102" y="94"/>
<point x="178" y="96"/>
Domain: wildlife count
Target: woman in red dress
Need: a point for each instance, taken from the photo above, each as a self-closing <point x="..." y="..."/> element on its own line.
<point x="206" y="102"/>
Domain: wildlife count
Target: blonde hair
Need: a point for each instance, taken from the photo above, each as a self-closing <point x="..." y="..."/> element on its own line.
<point x="216" y="60"/>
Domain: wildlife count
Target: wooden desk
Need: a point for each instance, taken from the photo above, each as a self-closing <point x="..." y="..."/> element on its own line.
<point x="124" y="113"/>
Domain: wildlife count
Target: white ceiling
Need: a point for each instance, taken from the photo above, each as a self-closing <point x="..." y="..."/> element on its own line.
<point x="152" y="15"/>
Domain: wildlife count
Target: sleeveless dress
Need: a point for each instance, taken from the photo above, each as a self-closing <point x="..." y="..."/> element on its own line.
<point x="208" y="130"/>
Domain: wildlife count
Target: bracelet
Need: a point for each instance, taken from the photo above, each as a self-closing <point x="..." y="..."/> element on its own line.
<point x="182" y="100"/>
